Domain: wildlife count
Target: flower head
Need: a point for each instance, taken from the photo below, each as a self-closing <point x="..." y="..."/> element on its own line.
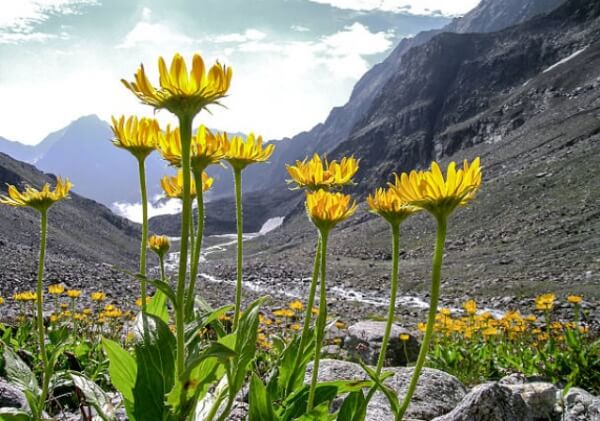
<point x="326" y="209"/>
<point x="40" y="200"/>
<point x="206" y="148"/>
<point x="545" y="301"/>
<point x="25" y="296"/>
<point x="430" y="191"/>
<point x="404" y="337"/>
<point x="315" y="174"/>
<point x="296" y="305"/>
<point x="74" y="293"/>
<point x="182" y="93"/>
<point x="98" y="296"/>
<point x="574" y="299"/>
<point x="56" y="289"/>
<point x="387" y="204"/>
<point x="241" y="152"/>
<point x="138" y="136"/>
<point x="159" y="244"/>
<point x="173" y="186"/>
<point x="470" y="307"/>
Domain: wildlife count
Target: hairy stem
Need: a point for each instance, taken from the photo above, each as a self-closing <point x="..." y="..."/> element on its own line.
<point x="435" y="295"/>
<point x="144" y="244"/>
<point x="237" y="176"/>
<point x="189" y="305"/>
<point x="321" y="320"/>
<point x="46" y="370"/>
<point x="307" y="316"/>
<point x="185" y="127"/>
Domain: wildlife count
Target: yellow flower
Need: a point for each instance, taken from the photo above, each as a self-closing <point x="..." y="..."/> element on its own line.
<point x="74" y="293"/>
<point x="545" y="302"/>
<point x="490" y="331"/>
<point x="314" y="311"/>
<point x="326" y="209"/>
<point x="470" y="307"/>
<point x="138" y="136"/>
<point x="87" y="311"/>
<point x="1" y="300"/>
<point x="296" y="305"/>
<point x="295" y="327"/>
<point x="53" y="318"/>
<point x="56" y="289"/>
<point x="284" y="312"/>
<point x="181" y="93"/>
<point x="138" y="302"/>
<point x="173" y="186"/>
<point x="445" y="311"/>
<point x="574" y="299"/>
<point x="109" y="307"/>
<point x="159" y="244"/>
<point x="340" y="325"/>
<point x="404" y="337"/>
<point x="64" y="306"/>
<point x="40" y="200"/>
<point x="421" y="326"/>
<point x="241" y="152"/>
<point x="387" y="204"/>
<point x="25" y="296"/>
<point x="315" y="174"/>
<point x="206" y="148"/>
<point x="430" y="191"/>
<point x="98" y="296"/>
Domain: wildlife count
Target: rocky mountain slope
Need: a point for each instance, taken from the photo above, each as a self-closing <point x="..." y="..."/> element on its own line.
<point x="525" y="99"/>
<point x="84" y="237"/>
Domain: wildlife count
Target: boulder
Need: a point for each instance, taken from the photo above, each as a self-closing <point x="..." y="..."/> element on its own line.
<point x="437" y="392"/>
<point x="489" y="402"/>
<point x="580" y="405"/>
<point x="363" y="340"/>
<point x="540" y="398"/>
<point x="11" y="396"/>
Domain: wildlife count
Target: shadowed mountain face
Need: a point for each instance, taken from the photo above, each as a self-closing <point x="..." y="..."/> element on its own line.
<point x="83" y="236"/>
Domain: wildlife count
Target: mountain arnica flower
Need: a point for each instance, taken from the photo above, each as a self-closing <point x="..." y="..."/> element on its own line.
<point x="317" y="173"/>
<point x="40" y="200"/>
<point x="159" y="244"/>
<point x="387" y="204"/>
<point x="240" y="153"/>
<point x="325" y="210"/>
<point x="440" y="197"/>
<point x="173" y="185"/>
<point x="181" y="92"/>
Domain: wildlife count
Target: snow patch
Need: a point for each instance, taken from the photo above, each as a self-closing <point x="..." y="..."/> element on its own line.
<point x="564" y="60"/>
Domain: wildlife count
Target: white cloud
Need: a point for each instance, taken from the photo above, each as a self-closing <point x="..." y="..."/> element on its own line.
<point x="148" y="32"/>
<point x="133" y="211"/>
<point x="18" y="21"/>
<point x="299" y="28"/>
<point x="248" y="35"/>
<point x="414" y="7"/>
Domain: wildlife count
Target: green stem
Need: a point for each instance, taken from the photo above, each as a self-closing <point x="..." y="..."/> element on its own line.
<point x="435" y="295"/>
<point x="189" y="305"/>
<point x="161" y="260"/>
<point x="40" y="311"/>
<point x="307" y="317"/>
<point x="321" y="321"/>
<point x="144" y="244"/>
<point x="237" y="176"/>
<point x="393" y="292"/>
<point x="185" y="127"/>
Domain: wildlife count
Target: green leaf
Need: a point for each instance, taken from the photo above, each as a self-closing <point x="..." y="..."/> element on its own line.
<point x="389" y="393"/>
<point x="122" y="368"/>
<point x="19" y="373"/>
<point x="165" y="288"/>
<point x="14" y="414"/>
<point x="158" y="306"/>
<point x="261" y="407"/>
<point x="318" y="413"/>
<point x="353" y="408"/>
<point x="94" y="396"/>
<point x="155" y="377"/>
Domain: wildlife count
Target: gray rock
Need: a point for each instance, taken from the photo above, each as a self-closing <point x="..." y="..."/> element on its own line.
<point x="580" y="405"/>
<point x="489" y="402"/>
<point x="364" y="341"/>
<point x="540" y="398"/>
<point x="437" y="392"/>
<point x="11" y="396"/>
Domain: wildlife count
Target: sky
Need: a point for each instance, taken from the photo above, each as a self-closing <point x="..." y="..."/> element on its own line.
<point x="293" y="60"/>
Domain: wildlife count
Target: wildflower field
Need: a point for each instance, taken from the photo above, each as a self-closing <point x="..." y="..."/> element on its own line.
<point x="169" y="356"/>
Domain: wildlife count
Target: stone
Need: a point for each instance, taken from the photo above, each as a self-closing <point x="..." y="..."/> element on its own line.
<point x="540" y="398"/>
<point x="580" y="405"/>
<point x="437" y="392"/>
<point x="364" y="339"/>
<point x="11" y="396"/>
<point x="490" y="402"/>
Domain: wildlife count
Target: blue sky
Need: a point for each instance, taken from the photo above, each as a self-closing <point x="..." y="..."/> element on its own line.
<point x="293" y="60"/>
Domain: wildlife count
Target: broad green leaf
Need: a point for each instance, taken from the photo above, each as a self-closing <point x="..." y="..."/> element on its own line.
<point x="165" y="288"/>
<point x="353" y="408"/>
<point x="155" y="377"/>
<point x="261" y="407"/>
<point x="319" y="413"/>
<point x="94" y="396"/>
<point x="122" y="368"/>
<point x="387" y="391"/>
<point x="14" y="414"/>
<point x="158" y="306"/>
<point x="19" y="373"/>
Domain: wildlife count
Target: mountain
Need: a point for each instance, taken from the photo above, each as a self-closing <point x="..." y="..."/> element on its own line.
<point x="527" y="101"/>
<point x="17" y="150"/>
<point x="488" y="16"/>
<point x="84" y="236"/>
